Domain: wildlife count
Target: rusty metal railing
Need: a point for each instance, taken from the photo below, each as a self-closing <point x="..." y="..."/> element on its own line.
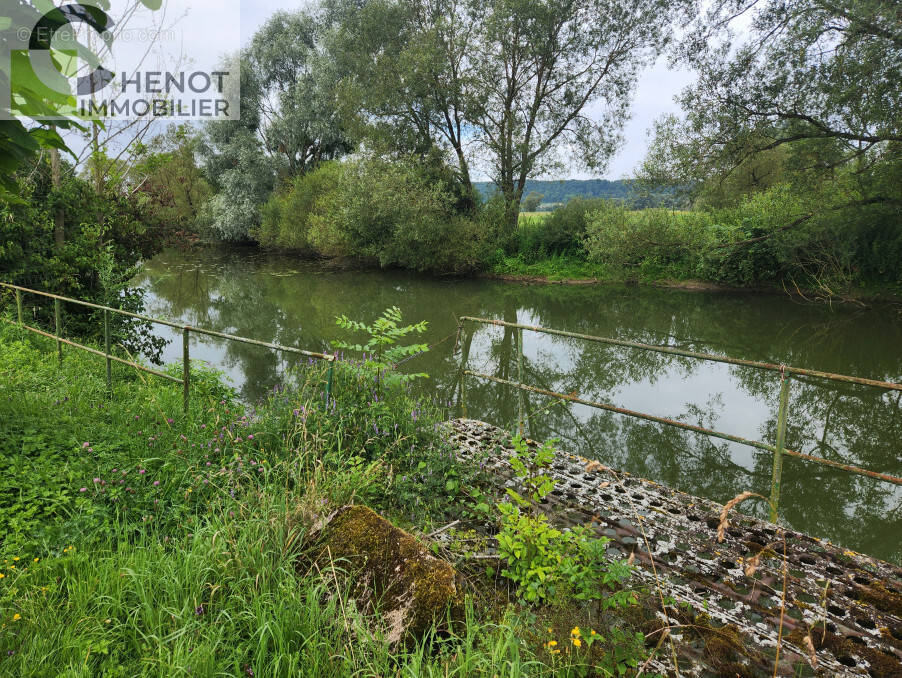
<point x="185" y="380"/>
<point x="785" y="372"/>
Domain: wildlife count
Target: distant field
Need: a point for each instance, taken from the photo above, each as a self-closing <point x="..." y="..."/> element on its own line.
<point x="530" y="216"/>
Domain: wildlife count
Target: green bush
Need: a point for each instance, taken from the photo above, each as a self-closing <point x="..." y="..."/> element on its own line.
<point x="657" y="241"/>
<point x="392" y="213"/>
<point x="560" y="232"/>
<point x="287" y="217"/>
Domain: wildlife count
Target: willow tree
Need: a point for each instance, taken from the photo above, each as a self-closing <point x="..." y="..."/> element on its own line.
<point x="815" y="80"/>
<point x="553" y="81"/>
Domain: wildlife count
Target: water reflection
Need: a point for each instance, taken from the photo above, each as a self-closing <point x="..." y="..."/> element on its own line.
<point x="294" y="303"/>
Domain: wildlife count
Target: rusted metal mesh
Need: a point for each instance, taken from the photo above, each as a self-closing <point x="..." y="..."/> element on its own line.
<point x="841" y="613"/>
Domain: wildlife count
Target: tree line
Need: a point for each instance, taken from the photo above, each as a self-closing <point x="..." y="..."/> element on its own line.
<point x="364" y="123"/>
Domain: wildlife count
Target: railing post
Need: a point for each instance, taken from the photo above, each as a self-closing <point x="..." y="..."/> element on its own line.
<point x="107" y="351"/>
<point x="186" y="370"/>
<point x="464" y="354"/>
<point x="329" y="379"/>
<point x="57" y="321"/>
<point x="777" y="478"/>
<point x="19" y="306"/>
<point x="520" y="380"/>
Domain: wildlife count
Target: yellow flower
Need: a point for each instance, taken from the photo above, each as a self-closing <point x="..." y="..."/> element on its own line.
<point x="577" y="642"/>
<point x="2" y="575"/>
<point x="552" y="643"/>
<point x="575" y="632"/>
<point x="550" y="630"/>
<point x="17" y="616"/>
<point x="15" y="557"/>
<point x="36" y="559"/>
<point x="12" y="567"/>
<point x="592" y="632"/>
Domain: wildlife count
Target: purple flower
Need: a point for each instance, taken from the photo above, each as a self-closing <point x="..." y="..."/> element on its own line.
<point x="250" y="436"/>
<point x="84" y="489"/>
<point x="141" y="471"/>
<point x="169" y="421"/>
<point x="156" y="482"/>
<point x="199" y="610"/>
<point x="85" y="446"/>
<point x="96" y="480"/>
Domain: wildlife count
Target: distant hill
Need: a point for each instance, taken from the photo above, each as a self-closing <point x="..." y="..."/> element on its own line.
<point x="559" y="191"/>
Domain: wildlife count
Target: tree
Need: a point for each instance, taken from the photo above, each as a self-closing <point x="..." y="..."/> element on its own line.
<point x="405" y="77"/>
<point x="167" y="180"/>
<point x="296" y="102"/>
<point x="816" y="80"/>
<point x="532" y="201"/>
<point x="28" y="98"/>
<point x="537" y="67"/>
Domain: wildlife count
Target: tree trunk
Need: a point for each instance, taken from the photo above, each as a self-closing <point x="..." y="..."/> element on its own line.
<point x="59" y="226"/>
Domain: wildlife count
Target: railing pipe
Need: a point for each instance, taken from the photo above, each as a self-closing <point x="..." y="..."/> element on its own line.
<point x="69" y="342"/>
<point x="57" y="324"/>
<point x="691" y="427"/>
<point x="520" y="379"/>
<point x="695" y="354"/>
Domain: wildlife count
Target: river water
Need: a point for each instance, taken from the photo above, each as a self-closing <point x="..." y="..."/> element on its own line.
<point x="280" y="299"/>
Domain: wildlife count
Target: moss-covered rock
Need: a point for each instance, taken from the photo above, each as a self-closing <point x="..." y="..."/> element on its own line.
<point x="414" y="588"/>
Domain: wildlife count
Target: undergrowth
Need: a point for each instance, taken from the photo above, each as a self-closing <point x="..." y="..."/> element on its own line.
<point x="141" y="540"/>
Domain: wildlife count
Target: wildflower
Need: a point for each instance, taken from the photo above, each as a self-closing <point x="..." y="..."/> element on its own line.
<point x="36" y="560"/>
<point x="85" y="446"/>
<point x="96" y="480"/>
<point x="250" y="436"/>
<point x="575" y="632"/>
<point x="169" y="420"/>
<point x="17" y="616"/>
<point x="141" y="471"/>
<point x="83" y="489"/>
<point x="156" y="483"/>
<point x="15" y="558"/>
<point x="199" y="610"/>
<point x="2" y="575"/>
<point x="577" y="642"/>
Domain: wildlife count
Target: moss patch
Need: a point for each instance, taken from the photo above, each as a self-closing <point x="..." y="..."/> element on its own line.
<point x="414" y="588"/>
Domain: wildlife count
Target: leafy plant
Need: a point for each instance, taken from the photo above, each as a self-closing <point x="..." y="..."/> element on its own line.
<point x="381" y="352"/>
<point x="545" y="563"/>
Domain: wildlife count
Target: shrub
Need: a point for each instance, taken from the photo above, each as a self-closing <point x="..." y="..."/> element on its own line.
<point x="288" y="215"/>
<point x="650" y="238"/>
<point x="560" y="232"/>
<point x="391" y="212"/>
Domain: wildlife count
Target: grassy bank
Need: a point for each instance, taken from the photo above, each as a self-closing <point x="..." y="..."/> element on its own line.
<point x="140" y="540"/>
<point x="776" y="240"/>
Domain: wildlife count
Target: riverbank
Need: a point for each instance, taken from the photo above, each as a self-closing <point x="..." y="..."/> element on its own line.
<point x="178" y="540"/>
<point x="564" y="270"/>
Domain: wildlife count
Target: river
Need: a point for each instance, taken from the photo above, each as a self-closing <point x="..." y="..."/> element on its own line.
<point x="280" y="299"/>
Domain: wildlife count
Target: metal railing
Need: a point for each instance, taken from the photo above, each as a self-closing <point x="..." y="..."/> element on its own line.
<point x="185" y="380"/>
<point x="785" y="372"/>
